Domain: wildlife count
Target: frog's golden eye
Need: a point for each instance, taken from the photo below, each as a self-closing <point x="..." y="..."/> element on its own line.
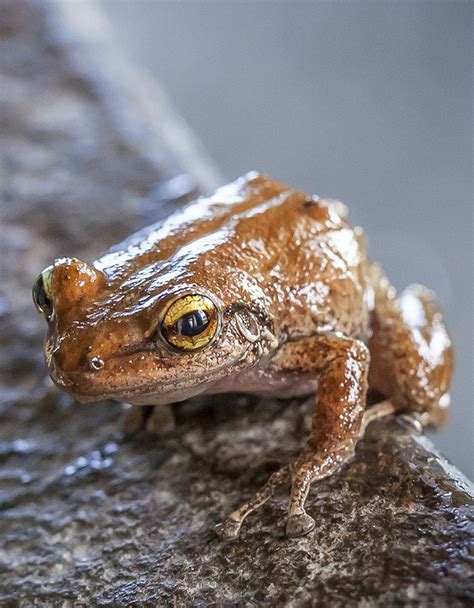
<point x="42" y="294"/>
<point x="190" y="322"/>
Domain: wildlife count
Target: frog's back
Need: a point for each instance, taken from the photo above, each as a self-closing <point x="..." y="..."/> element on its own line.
<point x="300" y="249"/>
<point x="304" y="252"/>
<point x="201" y="217"/>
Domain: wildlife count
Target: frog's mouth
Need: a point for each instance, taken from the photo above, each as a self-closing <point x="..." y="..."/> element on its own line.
<point x="138" y="396"/>
<point x="112" y="383"/>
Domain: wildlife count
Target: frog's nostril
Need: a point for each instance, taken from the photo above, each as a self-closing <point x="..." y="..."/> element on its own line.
<point x="96" y="364"/>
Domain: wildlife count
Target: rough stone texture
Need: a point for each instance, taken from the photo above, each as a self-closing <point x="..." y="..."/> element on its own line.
<point x="88" y="519"/>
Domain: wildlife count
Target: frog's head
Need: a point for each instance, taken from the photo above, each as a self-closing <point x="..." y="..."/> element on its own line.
<point x="159" y="335"/>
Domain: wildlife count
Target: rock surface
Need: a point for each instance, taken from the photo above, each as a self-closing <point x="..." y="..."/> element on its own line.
<point x="88" y="519"/>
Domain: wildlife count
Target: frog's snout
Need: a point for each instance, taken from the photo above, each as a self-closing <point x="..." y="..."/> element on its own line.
<point x="64" y="285"/>
<point x="63" y="294"/>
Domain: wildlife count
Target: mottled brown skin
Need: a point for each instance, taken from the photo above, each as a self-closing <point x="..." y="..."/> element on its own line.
<point x="299" y="305"/>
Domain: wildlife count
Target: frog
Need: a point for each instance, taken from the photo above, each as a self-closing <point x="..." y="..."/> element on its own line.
<point x="257" y="288"/>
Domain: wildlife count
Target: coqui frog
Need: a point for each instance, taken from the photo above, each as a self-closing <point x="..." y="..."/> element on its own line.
<point x="258" y="288"/>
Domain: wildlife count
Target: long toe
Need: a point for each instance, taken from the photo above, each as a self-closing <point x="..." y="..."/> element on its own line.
<point x="299" y="525"/>
<point x="228" y="530"/>
<point x="411" y="422"/>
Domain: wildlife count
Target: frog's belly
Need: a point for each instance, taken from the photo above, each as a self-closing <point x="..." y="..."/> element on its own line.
<point x="267" y="384"/>
<point x="288" y="391"/>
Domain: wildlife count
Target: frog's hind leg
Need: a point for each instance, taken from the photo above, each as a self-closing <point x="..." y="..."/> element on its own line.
<point x="410" y="363"/>
<point x="411" y="354"/>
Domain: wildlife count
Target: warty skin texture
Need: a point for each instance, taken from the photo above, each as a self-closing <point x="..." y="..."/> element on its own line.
<point x="298" y="304"/>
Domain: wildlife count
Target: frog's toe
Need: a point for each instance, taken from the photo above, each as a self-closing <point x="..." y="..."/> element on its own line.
<point x="299" y="525"/>
<point x="228" y="530"/>
<point x="411" y="422"/>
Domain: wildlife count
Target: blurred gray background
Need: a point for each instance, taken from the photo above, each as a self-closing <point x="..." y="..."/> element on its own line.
<point x="369" y="102"/>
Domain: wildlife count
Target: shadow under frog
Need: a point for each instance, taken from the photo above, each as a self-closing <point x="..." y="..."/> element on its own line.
<point x="258" y="288"/>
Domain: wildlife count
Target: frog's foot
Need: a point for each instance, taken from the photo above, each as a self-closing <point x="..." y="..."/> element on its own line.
<point x="230" y="528"/>
<point x="154" y="419"/>
<point x="314" y="465"/>
<point x="412" y="422"/>
<point x="436" y="416"/>
<point x="299" y="524"/>
<point x="376" y="411"/>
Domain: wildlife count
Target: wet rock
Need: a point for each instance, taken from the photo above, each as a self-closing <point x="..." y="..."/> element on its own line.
<point x="89" y="518"/>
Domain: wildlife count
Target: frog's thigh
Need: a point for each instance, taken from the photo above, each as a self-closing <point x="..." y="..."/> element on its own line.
<point x="340" y="365"/>
<point x="410" y="350"/>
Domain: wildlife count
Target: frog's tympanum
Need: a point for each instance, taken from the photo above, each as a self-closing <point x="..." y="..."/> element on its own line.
<point x="258" y="288"/>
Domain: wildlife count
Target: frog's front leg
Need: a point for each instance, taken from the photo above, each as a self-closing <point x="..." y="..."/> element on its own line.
<point x="158" y="419"/>
<point x="340" y="365"/>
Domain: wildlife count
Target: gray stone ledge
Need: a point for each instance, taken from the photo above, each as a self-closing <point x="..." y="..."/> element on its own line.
<point x="90" y="149"/>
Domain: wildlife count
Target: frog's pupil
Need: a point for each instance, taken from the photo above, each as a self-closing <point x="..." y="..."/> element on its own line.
<point x="192" y="323"/>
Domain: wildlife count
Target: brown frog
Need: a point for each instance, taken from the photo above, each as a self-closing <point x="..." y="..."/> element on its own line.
<point x="257" y="288"/>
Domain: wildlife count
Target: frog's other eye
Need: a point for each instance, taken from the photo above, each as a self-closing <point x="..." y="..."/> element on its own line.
<point x="190" y="322"/>
<point x="42" y="294"/>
